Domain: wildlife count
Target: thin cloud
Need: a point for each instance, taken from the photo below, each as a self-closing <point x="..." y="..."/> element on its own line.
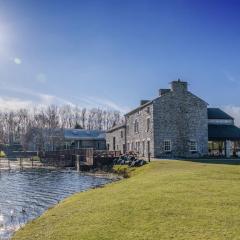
<point x="43" y="99"/>
<point x="230" y="77"/>
<point x="37" y="98"/>
<point x="7" y="104"/>
<point x="234" y="111"/>
<point x="95" y="102"/>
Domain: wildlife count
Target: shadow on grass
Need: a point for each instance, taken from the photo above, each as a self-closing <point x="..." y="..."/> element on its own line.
<point x="215" y="161"/>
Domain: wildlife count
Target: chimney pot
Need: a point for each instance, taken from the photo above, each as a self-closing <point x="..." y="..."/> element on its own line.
<point x="179" y="85"/>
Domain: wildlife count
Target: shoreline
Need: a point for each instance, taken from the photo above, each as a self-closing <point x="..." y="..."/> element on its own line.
<point x="110" y="177"/>
<point x="160" y="201"/>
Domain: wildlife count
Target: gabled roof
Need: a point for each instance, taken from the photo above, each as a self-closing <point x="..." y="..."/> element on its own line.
<point x="116" y="127"/>
<point x="163" y="95"/>
<point x="82" y="134"/>
<point x="223" y="132"/>
<point x="217" y="113"/>
<point x="140" y="107"/>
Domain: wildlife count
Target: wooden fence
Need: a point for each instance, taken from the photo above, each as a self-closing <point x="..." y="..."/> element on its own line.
<point x="64" y="158"/>
<point x="19" y="163"/>
<point x="85" y="156"/>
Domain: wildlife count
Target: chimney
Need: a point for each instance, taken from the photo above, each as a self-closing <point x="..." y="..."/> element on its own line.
<point x="142" y="102"/>
<point x="163" y="91"/>
<point x="179" y="86"/>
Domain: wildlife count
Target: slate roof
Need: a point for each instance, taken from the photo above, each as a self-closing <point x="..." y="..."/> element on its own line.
<point x="151" y="101"/>
<point x="123" y="125"/>
<point x="82" y="134"/>
<point x="217" y="113"/>
<point x="223" y="132"/>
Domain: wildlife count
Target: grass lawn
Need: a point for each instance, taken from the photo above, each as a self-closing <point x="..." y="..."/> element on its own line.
<point x="165" y="199"/>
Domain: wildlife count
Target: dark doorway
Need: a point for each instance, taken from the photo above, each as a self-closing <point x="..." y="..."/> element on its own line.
<point x="114" y="143"/>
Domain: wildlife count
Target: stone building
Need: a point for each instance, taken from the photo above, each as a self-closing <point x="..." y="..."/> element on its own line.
<point x="116" y="138"/>
<point x="175" y="124"/>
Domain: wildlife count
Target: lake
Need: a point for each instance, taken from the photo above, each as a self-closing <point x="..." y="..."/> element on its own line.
<point x="25" y="195"/>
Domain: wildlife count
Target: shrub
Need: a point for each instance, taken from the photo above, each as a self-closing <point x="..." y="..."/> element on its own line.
<point x="36" y="158"/>
<point x="2" y="154"/>
<point x="122" y="170"/>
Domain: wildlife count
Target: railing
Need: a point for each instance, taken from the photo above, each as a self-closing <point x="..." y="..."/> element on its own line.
<point x="85" y="156"/>
<point x="67" y="158"/>
<point x="19" y="163"/>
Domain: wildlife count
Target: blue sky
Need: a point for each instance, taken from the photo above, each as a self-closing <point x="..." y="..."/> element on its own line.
<point x="113" y="53"/>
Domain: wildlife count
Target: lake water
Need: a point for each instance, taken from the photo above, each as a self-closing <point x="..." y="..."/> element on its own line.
<point x="24" y="195"/>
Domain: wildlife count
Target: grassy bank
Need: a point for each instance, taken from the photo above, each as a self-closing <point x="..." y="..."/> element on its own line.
<point x="162" y="200"/>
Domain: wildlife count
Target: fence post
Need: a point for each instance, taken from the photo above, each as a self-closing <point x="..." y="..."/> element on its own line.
<point x="9" y="166"/>
<point x="78" y="163"/>
<point x="21" y="164"/>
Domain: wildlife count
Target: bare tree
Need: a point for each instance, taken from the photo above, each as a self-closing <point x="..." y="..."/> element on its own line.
<point x="43" y="126"/>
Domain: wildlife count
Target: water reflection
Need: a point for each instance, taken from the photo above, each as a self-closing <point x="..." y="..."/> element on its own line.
<point x="24" y="195"/>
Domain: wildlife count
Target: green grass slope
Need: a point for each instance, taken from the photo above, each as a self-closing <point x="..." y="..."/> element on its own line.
<point x="162" y="200"/>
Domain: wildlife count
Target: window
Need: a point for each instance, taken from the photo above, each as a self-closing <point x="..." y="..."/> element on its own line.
<point x="114" y="143"/>
<point x="148" y="124"/>
<point x="167" y="146"/>
<point x="138" y="146"/>
<point x="148" y="110"/>
<point x="121" y="134"/>
<point x="193" y="146"/>
<point x="136" y="126"/>
<point x="127" y="129"/>
<point x="143" y="148"/>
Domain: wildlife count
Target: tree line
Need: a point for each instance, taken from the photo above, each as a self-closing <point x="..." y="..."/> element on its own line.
<point x="19" y="125"/>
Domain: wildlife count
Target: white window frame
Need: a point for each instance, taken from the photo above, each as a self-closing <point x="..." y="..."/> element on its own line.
<point x="167" y="145"/>
<point x="193" y="146"/>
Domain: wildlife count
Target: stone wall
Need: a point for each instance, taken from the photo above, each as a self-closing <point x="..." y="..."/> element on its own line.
<point x="181" y="117"/>
<point x="176" y="115"/>
<point x="119" y="133"/>
<point x="137" y="141"/>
